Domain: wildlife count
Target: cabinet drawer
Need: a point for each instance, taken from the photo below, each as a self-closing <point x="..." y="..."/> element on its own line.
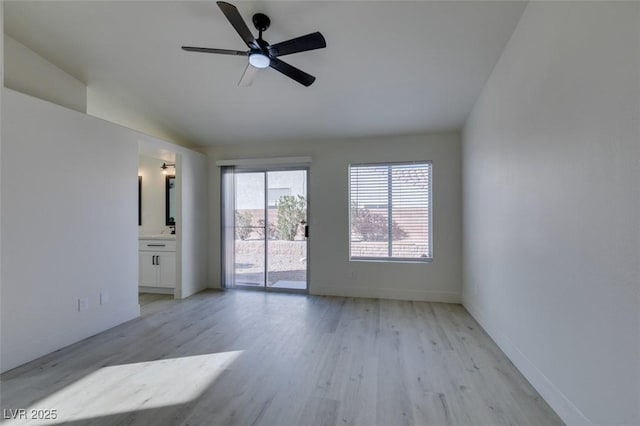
<point x="157" y="245"/>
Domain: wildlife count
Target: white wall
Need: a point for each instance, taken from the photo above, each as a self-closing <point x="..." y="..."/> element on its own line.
<point x="30" y="73"/>
<point x="69" y="219"/>
<point x="192" y="219"/>
<point x="551" y="206"/>
<point x="1" y="85"/>
<point x="153" y="196"/>
<point x="109" y="107"/>
<point x="330" y="271"/>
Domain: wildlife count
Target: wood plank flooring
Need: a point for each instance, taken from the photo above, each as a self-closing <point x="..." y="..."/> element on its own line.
<point x="252" y="358"/>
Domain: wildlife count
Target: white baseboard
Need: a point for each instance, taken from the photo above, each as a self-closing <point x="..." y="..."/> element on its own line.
<point x="157" y="290"/>
<point x="388" y="293"/>
<point x="567" y="411"/>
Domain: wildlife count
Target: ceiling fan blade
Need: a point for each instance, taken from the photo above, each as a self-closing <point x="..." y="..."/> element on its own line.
<point x="299" y="44"/>
<point x="232" y="14"/>
<point x="292" y="72"/>
<point x="210" y="50"/>
<point x="248" y="76"/>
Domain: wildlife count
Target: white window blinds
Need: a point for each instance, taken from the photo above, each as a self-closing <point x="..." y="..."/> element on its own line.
<point x="390" y="211"/>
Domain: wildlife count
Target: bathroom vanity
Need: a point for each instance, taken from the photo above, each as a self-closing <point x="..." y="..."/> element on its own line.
<point x="157" y="264"/>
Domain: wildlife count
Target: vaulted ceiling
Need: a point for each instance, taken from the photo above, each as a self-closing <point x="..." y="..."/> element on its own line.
<point x="390" y="67"/>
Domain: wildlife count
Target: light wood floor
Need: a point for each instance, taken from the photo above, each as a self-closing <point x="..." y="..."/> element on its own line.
<point x="252" y="358"/>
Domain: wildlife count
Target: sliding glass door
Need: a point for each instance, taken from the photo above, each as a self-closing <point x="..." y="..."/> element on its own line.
<point x="265" y="231"/>
<point x="249" y="247"/>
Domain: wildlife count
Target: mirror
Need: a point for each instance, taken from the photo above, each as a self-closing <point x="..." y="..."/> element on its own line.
<point x="170" y="198"/>
<point x="139" y="200"/>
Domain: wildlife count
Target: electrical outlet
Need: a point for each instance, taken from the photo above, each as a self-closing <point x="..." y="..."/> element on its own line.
<point x="104" y="297"/>
<point x="83" y="304"/>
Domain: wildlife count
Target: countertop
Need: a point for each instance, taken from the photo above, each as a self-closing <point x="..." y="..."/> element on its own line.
<point x="167" y="237"/>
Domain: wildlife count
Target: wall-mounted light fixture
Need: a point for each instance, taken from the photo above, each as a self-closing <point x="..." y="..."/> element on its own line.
<point x="165" y="167"/>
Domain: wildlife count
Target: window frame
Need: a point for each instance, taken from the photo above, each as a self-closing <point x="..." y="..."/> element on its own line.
<point x="394" y="259"/>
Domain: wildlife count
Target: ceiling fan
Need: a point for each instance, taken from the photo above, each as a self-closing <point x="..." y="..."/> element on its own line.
<point x="262" y="54"/>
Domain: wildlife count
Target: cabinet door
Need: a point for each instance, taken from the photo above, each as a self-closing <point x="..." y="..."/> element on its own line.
<point x="167" y="266"/>
<point x="148" y="270"/>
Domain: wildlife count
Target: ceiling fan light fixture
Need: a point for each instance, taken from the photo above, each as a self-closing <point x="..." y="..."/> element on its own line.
<point x="259" y="60"/>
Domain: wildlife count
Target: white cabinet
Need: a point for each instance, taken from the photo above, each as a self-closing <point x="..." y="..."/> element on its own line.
<point x="166" y="263"/>
<point x="157" y="265"/>
<point x="148" y="269"/>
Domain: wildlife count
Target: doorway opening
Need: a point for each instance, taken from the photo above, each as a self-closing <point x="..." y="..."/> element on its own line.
<point x="265" y="229"/>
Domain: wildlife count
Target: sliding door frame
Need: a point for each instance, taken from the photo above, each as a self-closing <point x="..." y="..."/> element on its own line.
<point x="224" y="234"/>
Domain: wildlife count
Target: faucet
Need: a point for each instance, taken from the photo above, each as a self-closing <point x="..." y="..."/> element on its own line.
<point x="173" y="229"/>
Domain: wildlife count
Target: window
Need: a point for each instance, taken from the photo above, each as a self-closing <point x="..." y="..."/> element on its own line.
<point x="390" y="211"/>
<point x="274" y="194"/>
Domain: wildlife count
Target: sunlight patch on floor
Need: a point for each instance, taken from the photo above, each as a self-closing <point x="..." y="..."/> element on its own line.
<point x="132" y="387"/>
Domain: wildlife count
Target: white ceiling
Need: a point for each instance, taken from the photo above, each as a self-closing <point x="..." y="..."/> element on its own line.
<point x="390" y="67"/>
